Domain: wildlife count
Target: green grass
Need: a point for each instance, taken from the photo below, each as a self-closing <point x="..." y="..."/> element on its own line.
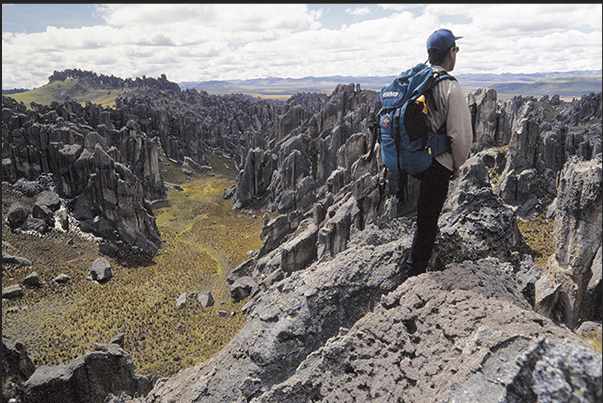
<point x="538" y="234"/>
<point x="204" y="240"/>
<point x="72" y="89"/>
<point x="594" y="339"/>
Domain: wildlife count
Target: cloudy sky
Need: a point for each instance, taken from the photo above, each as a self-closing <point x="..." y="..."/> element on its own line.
<point x="198" y="42"/>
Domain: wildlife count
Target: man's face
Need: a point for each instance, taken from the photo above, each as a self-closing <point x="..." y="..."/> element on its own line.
<point x="453" y="51"/>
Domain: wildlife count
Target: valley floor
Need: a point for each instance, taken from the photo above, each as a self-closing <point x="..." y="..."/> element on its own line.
<point x="203" y="240"/>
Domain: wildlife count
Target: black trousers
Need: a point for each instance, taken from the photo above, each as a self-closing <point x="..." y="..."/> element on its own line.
<point x="432" y="195"/>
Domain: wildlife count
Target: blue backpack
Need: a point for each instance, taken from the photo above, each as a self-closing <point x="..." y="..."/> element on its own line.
<point x="407" y="143"/>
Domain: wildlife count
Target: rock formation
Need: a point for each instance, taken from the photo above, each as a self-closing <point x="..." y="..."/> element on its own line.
<point x="93" y="175"/>
<point x="104" y="163"/>
<point x="17" y="367"/>
<point x="331" y="314"/>
<point x="107" y="370"/>
<point x="459" y="335"/>
<point x="345" y="329"/>
<point x="400" y="346"/>
<point x="571" y="287"/>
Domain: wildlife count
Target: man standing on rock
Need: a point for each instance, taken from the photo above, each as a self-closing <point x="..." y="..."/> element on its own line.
<point x="448" y="109"/>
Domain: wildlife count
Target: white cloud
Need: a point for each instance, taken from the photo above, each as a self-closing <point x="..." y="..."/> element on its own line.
<point x="516" y="19"/>
<point x="358" y="11"/>
<point x="193" y="42"/>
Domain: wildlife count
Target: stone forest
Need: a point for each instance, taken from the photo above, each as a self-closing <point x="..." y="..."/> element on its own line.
<point x="188" y="247"/>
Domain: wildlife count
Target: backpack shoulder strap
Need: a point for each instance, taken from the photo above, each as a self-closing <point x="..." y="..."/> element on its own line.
<point x="438" y="76"/>
<point x="441" y="76"/>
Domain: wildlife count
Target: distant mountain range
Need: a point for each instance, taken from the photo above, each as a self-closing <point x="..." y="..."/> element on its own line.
<point x="565" y="84"/>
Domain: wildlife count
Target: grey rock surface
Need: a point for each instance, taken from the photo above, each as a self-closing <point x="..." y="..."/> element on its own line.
<point x="88" y="379"/>
<point x="462" y="335"/>
<point x="16" y="368"/>
<point x="206" y="299"/>
<point x="101" y="270"/>
<point x="17" y="214"/>
<point x="288" y="321"/>
<point x="571" y="285"/>
<point x="479" y="227"/>
<point x="12" y="291"/>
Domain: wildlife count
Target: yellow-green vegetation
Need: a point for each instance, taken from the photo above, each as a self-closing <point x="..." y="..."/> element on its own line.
<point x="73" y="89"/>
<point x="203" y="240"/>
<point x="594" y="339"/>
<point x="494" y="176"/>
<point x="537" y="230"/>
<point x="538" y="234"/>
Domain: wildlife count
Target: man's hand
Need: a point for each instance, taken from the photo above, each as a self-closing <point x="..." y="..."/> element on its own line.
<point x="455" y="173"/>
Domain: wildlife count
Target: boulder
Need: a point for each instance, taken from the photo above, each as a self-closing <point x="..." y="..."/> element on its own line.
<point x="12" y="291"/>
<point x="181" y="301"/>
<point x="17" y="214"/>
<point x="18" y="260"/>
<point x="242" y="288"/>
<point x="32" y="280"/>
<point x="206" y="299"/>
<point x="61" y="279"/>
<point x="49" y="199"/>
<point x="44" y="213"/>
<point x="34" y="224"/>
<point x="88" y="379"/>
<point x="239" y="271"/>
<point x="101" y="270"/>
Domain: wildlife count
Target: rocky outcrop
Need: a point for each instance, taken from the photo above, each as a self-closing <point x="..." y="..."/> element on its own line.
<point x="112" y="204"/>
<point x="190" y="123"/>
<point x="405" y="348"/>
<point x="541" y="136"/>
<point x="571" y="286"/>
<point x="112" y="82"/>
<point x="298" y="166"/>
<point x="460" y="335"/>
<point x="89" y="379"/>
<point x="332" y="315"/>
<point x="481" y="226"/>
<point x="16" y="368"/>
<point x="107" y="160"/>
<point x="107" y="181"/>
<point x="346" y="329"/>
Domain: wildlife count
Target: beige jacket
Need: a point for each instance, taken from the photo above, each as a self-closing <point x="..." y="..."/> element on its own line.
<point x="451" y="107"/>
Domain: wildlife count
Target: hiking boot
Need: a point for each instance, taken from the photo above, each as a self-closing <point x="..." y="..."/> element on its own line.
<point x="411" y="269"/>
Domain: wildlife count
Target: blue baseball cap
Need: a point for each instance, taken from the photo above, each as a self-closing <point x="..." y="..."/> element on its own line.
<point x="442" y="40"/>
